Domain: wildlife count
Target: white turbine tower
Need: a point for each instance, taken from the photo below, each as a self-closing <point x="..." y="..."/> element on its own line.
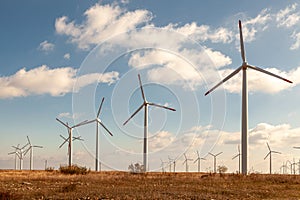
<point x="238" y="155"/>
<point x="70" y="138"/>
<point x="145" y="105"/>
<point x="199" y="161"/>
<point x="17" y="155"/>
<point x="21" y="152"/>
<point x="215" y="160"/>
<point x="98" y="121"/>
<point x="270" y="155"/>
<point x="186" y="163"/>
<point x="31" y="152"/>
<point x="244" y="67"/>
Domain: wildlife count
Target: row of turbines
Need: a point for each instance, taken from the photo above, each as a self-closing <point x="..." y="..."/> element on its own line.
<point x="243" y="156"/>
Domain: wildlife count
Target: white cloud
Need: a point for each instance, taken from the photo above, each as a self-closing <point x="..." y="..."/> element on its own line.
<point x="43" y="80"/>
<point x="160" y="140"/>
<point x="287" y="17"/>
<point x="296" y="37"/>
<point x="68" y="115"/>
<point x="46" y="46"/>
<point x="67" y="56"/>
<point x="102" y="22"/>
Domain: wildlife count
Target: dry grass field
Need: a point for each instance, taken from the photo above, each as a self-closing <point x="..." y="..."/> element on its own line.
<point x="123" y="185"/>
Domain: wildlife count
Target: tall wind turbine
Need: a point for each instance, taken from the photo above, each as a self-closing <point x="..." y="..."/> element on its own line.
<point x="98" y="121"/>
<point x="238" y="155"/>
<point x="17" y="155"/>
<point x="31" y="152"/>
<point x="199" y="161"/>
<point x="270" y="155"/>
<point x="70" y="138"/>
<point x="244" y="67"/>
<point x="215" y="160"/>
<point x="186" y="162"/>
<point x="21" y="152"/>
<point x="145" y="105"/>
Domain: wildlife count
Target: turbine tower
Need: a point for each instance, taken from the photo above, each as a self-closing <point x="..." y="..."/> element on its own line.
<point x="215" y="160"/>
<point x="70" y="138"/>
<point x="238" y="155"/>
<point x="270" y="155"/>
<point x="199" y="161"/>
<point x="186" y="163"/>
<point x="244" y="67"/>
<point x="174" y="163"/>
<point x="145" y="105"/>
<point x="31" y="152"/>
<point x="98" y="121"/>
<point x="20" y="152"/>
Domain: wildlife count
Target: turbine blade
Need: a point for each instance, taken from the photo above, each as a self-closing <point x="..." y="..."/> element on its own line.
<point x="81" y="123"/>
<point x="63" y="144"/>
<point x="219" y="153"/>
<point x="267" y="155"/>
<point x="235" y="156"/>
<point x="196" y="159"/>
<point x="62" y="123"/>
<point x="185" y="156"/>
<point x="296" y="147"/>
<point x="27" y="150"/>
<point x="105" y="128"/>
<point x="211" y="154"/>
<point x="28" y="140"/>
<point x="184" y="162"/>
<point x="203" y="159"/>
<point x="38" y="146"/>
<point x="268" y="147"/>
<point x="63" y="137"/>
<point x="276" y="152"/>
<point x="224" y="80"/>
<point x="160" y="106"/>
<point x="269" y="73"/>
<point x="141" y="86"/>
<point x="198" y="154"/>
<point x="242" y="42"/>
<point x="99" y="110"/>
<point x="134" y="114"/>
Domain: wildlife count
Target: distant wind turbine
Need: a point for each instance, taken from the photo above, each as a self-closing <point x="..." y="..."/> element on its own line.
<point x="21" y="152"/>
<point x="145" y="105"/>
<point x="17" y="155"/>
<point x="70" y="138"/>
<point x="186" y="163"/>
<point x="238" y="155"/>
<point x="31" y="152"/>
<point x="174" y="163"/>
<point x="244" y="68"/>
<point x="270" y="155"/>
<point x="199" y="161"/>
<point x="215" y="160"/>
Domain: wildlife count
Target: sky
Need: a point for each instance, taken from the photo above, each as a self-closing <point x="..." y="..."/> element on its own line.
<point x="60" y="58"/>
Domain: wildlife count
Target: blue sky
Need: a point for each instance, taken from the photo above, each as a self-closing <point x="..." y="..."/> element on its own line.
<point x="58" y="59"/>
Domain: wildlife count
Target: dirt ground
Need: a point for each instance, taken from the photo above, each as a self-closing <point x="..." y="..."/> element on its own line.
<point x="123" y="185"/>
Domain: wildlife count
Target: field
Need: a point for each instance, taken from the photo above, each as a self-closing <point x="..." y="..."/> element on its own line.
<point x="123" y="185"/>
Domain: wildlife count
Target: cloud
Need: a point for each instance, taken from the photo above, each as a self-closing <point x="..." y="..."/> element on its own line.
<point x="102" y="22"/>
<point x="46" y="46"/>
<point x="160" y="140"/>
<point x="67" y="56"/>
<point x="296" y="37"/>
<point x="43" y="80"/>
<point x="68" y="115"/>
<point x="287" y="17"/>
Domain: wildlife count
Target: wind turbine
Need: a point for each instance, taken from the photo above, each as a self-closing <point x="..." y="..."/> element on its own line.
<point x="21" y="154"/>
<point x="199" y="161"/>
<point x="215" y="160"/>
<point x="174" y="163"/>
<point x="186" y="163"/>
<point x="17" y="155"/>
<point x="98" y="121"/>
<point x="145" y="105"/>
<point x="162" y="165"/>
<point x="31" y="152"/>
<point x="70" y="138"/>
<point x="238" y="155"/>
<point x="244" y="67"/>
<point x="270" y="154"/>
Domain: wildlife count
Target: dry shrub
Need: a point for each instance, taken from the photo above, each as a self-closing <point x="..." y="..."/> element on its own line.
<point x="74" y="169"/>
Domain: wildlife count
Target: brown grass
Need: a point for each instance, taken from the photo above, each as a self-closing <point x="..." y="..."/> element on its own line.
<point x="123" y="185"/>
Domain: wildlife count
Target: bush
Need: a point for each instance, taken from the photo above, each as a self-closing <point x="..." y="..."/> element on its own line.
<point x="74" y="169"/>
<point x="49" y="169"/>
